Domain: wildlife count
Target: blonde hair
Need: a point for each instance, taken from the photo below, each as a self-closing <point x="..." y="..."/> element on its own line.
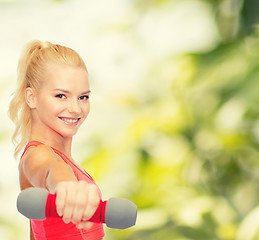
<point x="35" y="59"/>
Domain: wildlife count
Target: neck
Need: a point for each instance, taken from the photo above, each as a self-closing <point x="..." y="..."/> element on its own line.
<point x="51" y="138"/>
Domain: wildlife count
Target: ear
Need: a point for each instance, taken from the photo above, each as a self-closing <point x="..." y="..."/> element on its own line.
<point x="30" y="97"/>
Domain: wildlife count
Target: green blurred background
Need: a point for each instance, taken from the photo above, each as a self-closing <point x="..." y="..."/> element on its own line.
<point x="174" y="123"/>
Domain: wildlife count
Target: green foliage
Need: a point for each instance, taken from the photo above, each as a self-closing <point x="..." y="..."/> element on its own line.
<point x="194" y="138"/>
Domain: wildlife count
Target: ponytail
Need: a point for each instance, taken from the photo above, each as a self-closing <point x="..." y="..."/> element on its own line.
<point x="32" y="64"/>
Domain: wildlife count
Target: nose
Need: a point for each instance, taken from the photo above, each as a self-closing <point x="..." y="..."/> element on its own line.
<point x="74" y="107"/>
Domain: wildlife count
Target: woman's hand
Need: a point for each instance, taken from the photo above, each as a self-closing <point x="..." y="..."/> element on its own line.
<point x="77" y="201"/>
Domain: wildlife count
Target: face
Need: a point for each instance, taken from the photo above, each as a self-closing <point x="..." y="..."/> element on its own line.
<point x="62" y="104"/>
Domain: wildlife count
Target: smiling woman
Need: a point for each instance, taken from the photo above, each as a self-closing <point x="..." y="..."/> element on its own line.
<point x="48" y="107"/>
<point x="70" y="105"/>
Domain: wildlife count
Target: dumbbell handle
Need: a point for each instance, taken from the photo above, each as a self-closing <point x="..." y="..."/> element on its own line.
<point x="51" y="210"/>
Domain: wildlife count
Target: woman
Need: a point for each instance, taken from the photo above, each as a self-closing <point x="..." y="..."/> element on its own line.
<point x="48" y="107"/>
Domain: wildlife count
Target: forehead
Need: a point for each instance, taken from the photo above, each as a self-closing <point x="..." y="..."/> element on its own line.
<point x="66" y="77"/>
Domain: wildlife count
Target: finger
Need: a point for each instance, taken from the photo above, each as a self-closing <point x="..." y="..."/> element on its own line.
<point x="69" y="206"/>
<point x="60" y="200"/>
<point x="80" y="205"/>
<point x="93" y="201"/>
<point x="85" y="225"/>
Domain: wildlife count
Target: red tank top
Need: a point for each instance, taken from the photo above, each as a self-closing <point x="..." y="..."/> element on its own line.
<point x="55" y="228"/>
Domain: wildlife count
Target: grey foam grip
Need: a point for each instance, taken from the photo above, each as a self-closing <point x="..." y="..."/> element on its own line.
<point x="120" y="213"/>
<point x="31" y="203"/>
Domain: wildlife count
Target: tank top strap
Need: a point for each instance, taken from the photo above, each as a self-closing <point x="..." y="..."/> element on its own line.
<point x="77" y="170"/>
<point x="33" y="143"/>
<point x="30" y="144"/>
<point x="37" y="143"/>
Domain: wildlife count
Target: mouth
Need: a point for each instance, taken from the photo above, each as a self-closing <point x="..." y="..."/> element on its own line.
<point x="70" y="121"/>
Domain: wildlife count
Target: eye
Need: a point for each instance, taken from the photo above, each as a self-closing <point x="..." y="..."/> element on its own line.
<point x="62" y="96"/>
<point x="84" y="97"/>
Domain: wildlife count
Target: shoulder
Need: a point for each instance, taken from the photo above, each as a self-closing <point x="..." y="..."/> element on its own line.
<point x="37" y="163"/>
<point x="39" y="155"/>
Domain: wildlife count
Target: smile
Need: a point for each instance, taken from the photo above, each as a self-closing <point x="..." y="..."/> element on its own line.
<point x="70" y="121"/>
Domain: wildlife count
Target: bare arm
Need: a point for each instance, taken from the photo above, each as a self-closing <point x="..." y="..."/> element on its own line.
<point x="76" y="200"/>
<point x="43" y="168"/>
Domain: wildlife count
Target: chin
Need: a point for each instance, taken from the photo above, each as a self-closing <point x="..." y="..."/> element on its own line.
<point x="67" y="134"/>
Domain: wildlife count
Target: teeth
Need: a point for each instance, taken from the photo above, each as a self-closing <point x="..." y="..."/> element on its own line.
<point x="70" y="120"/>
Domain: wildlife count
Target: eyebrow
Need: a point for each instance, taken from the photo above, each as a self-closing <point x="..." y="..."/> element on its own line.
<point x="67" y="91"/>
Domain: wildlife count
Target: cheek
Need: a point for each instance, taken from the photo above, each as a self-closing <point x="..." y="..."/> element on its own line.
<point x="53" y="107"/>
<point x="86" y="109"/>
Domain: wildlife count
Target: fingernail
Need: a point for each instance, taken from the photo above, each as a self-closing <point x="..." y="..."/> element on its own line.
<point x="60" y="213"/>
<point x="80" y="226"/>
<point x="87" y="225"/>
<point x="66" y="221"/>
